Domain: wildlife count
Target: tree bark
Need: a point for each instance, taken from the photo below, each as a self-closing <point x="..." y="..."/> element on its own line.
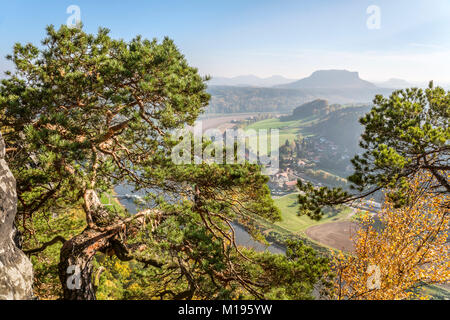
<point x="75" y="266"/>
<point x="101" y="234"/>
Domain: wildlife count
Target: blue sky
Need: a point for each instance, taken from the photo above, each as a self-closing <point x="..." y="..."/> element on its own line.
<point x="292" y="38"/>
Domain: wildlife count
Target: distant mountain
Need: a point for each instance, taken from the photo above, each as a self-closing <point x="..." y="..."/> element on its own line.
<point x="330" y="79"/>
<point x="336" y="86"/>
<point x="249" y="81"/>
<point x="395" y="83"/>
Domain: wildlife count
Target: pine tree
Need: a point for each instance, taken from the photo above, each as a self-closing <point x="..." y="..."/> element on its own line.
<point x="404" y="134"/>
<point x="84" y="113"/>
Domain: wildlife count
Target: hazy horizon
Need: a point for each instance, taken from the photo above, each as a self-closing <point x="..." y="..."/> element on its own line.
<point x="409" y="40"/>
<point x="375" y="81"/>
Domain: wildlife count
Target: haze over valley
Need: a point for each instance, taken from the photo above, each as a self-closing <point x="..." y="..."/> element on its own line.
<point x="336" y="86"/>
<point x="224" y="150"/>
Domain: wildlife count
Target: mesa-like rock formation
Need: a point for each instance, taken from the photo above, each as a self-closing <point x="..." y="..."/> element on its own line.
<point x="16" y="271"/>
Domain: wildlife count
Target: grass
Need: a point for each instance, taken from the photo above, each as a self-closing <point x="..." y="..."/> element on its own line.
<point x="276" y="123"/>
<point x="298" y="224"/>
<point x="289" y="130"/>
<point x="291" y="222"/>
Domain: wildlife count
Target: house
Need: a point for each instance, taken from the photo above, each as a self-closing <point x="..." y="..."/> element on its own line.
<point x="291" y="185"/>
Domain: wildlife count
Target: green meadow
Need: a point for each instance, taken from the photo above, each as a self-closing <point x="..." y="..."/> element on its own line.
<point x="294" y="223"/>
<point x="288" y="130"/>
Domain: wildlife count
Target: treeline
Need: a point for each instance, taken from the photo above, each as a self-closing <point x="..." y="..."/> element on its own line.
<point x="317" y="107"/>
<point x="342" y="127"/>
<point x="243" y="99"/>
<point x="227" y="99"/>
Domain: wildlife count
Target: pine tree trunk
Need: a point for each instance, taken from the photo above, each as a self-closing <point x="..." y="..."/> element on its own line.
<point x="75" y="266"/>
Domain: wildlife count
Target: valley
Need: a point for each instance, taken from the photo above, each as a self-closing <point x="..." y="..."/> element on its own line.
<point x="225" y="151"/>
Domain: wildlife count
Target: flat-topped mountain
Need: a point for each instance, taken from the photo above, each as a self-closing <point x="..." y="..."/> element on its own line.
<point x="330" y="79"/>
<point x="336" y="86"/>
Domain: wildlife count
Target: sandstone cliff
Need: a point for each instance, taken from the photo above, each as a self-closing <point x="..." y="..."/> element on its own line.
<point x="16" y="272"/>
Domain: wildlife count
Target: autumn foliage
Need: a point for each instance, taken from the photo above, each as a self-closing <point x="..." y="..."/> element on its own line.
<point x="406" y="248"/>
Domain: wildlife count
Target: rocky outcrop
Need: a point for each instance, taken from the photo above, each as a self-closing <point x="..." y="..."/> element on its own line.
<point x="16" y="272"/>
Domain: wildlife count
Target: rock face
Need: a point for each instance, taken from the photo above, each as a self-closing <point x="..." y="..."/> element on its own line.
<point x="16" y="271"/>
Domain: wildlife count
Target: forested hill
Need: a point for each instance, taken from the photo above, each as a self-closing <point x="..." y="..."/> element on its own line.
<point x="227" y="99"/>
<point x="316" y="107"/>
<point x="342" y="126"/>
<point x="337" y="123"/>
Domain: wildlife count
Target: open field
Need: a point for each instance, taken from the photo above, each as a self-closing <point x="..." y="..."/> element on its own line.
<point x="294" y="223"/>
<point x="333" y="231"/>
<point x="223" y="122"/>
<point x="289" y="130"/>
<point x="335" y="234"/>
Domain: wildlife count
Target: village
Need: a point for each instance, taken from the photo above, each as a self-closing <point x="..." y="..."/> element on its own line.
<point x="306" y="160"/>
<point x="309" y="159"/>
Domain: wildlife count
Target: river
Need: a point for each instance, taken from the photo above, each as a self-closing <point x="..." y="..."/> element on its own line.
<point x="127" y="198"/>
